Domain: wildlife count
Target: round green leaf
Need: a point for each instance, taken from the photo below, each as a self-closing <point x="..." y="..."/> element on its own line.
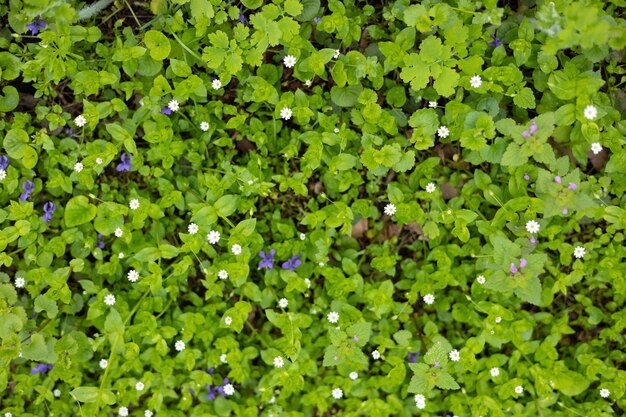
<point x="79" y="211"/>
<point x="158" y="44"/>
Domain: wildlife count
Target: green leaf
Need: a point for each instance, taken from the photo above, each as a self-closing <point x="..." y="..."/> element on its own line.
<point x="446" y="381"/>
<point x="293" y="7"/>
<point x="158" y="45"/>
<point x="345" y="96"/>
<point x="525" y="98"/>
<point x="310" y="8"/>
<point x="38" y="350"/>
<point x="44" y="303"/>
<point x="513" y="157"/>
<point x="226" y="205"/>
<point x="9" y="100"/>
<point x="446" y="82"/>
<point x="91" y="395"/>
<point x="79" y="211"/>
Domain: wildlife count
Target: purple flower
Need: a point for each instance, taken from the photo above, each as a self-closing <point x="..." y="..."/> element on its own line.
<point x="532" y="239"/>
<point x="496" y="41"/>
<point x="522" y="263"/>
<point x="166" y="110"/>
<point x="557" y="179"/>
<point x="531" y="130"/>
<point x="242" y="18"/>
<point x="4" y="162"/>
<point x="125" y="165"/>
<point x="211" y="393"/>
<point x="413" y="356"/>
<point x="355" y="338"/>
<point x="317" y="19"/>
<point x="565" y="210"/>
<point x="526" y="176"/>
<point x="268" y="260"/>
<point x="513" y="268"/>
<point x="41" y="368"/>
<point x="100" y="242"/>
<point x="28" y="187"/>
<point x="36" y="26"/>
<point x="48" y="209"/>
<point x="192" y="391"/>
<point x="437" y="364"/>
<point x="572" y="186"/>
<point x="293" y="263"/>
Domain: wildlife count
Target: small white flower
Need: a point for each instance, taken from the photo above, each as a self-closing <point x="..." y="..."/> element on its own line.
<point x="78" y="166"/>
<point x="376" y="354"/>
<point x="390" y="209"/>
<point x="173" y="105"/>
<point x="204" y="126"/>
<point x="429" y="299"/>
<point x="596" y="148"/>
<point x="476" y="81"/>
<point x="604" y="393"/>
<point x="302" y="236"/>
<point x="420" y="401"/>
<point x="443" y="132"/>
<point x="498" y="320"/>
<point x="432" y="104"/>
<point x="119" y="232"/>
<point x="454" y="355"/>
<point x="123" y="411"/>
<point x="133" y="275"/>
<point x="222" y="274"/>
<point x="337" y="393"/>
<point x="179" y="345"/>
<point x="3" y="174"/>
<point x="19" y="282"/>
<point x="321" y="264"/>
<point x="579" y="252"/>
<point x="229" y="389"/>
<point x="139" y="386"/>
<point x="134" y="204"/>
<point x="80" y="121"/>
<point x="289" y="61"/>
<point x="228" y="320"/>
<point x="519" y="389"/>
<point x="192" y="228"/>
<point x="307" y="282"/>
<point x="109" y="299"/>
<point x="590" y="112"/>
<point x="223" y="358"/>
<point x="337" y="52"/>
<point x="213" y="237"/>
<point x="430" y="187"/>
<point x="147" y="413"/>
<point x="532" y="226"/>
<point x="480" y="279"/>
<point x="236" y="249"/>
<point x="99" y="161"/>
<point x="307" y="83"/>
<point x="333" y="317"/>
<point x="336" y="130"/>
<point x="103" y="363"/>
<point x="353" y="376"/>
<point x="56" y="393"/>
<point x="8" y="414"/>
<point x="278" y="362"/>
<point x="494" y="372"/>
<point x="286" y="113"/>
<point x="216" y="84"/>
<point x="120" y="255"/>
<point x="283" y="303"/>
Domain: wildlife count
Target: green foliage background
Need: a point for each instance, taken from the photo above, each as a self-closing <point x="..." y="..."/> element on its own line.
<point x="362" y="135"/>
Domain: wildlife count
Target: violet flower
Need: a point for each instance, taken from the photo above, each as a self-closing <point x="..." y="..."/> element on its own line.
<point x="220" y="388"/>
<point x="166" y="110"/>
<point x="531" y="130"/>
<point x="413" y="356"/>
<point x="437" y="364"/>
<point x="48" y="209"/>
<point x="100" y="242"/>
<point x="4" y="162"/>
<point x="242" y="18"/>
<point x="211" y="392"/>
<point x="36" y="26"/>
<point x="572" y="186"/>
<point x="355" y="338"/>
<point x="496" y="42"/>
<point x="522" y="263"/>
<point x="125" y="165"/>
<point x="557" y="179"/>
<point x="41" y="368"/>
<point x="532" y="239"/>
<point x="268" y="260"/>
<point x="317" y="19"/>
<point x="28" y="187"/>
<point x="513" y="269"/>
<point x="526" y="176"/>
<point x="293" y="263"/>
<point x="192" y="391"/>
<point x="565" y="210"/>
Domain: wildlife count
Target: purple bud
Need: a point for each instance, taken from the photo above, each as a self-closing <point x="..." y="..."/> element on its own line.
<point x="572" y="186"/>
<point x="513" y="268"/>
<point x="355" y="338"/>
<point x="565" y="210"/>
<point x="557" y="179"/>
<point x="436" y="364"/>
<point x="192" y="391"/>
<point x="522" y="263"/>
<point x="526" y="134"/>
<point x="526" y="176"/>
<point x="533" y="127"/>
<point x="532" y="239"/>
